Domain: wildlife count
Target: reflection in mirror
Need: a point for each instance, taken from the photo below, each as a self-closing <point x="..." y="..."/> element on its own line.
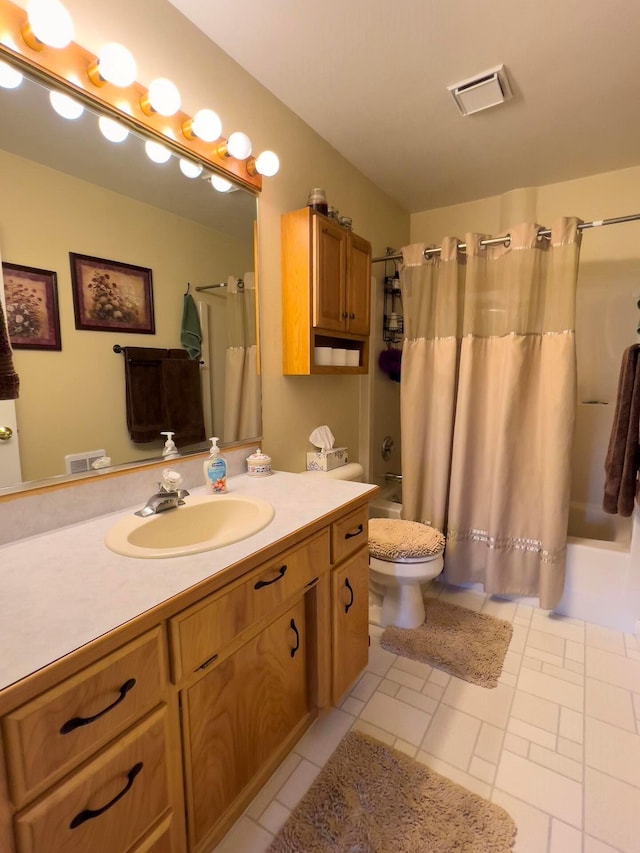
<point x="65" y="189"/>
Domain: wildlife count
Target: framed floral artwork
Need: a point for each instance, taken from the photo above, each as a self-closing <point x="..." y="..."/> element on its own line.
<point x="109" y="296"/>
<point x="33" y="318"/>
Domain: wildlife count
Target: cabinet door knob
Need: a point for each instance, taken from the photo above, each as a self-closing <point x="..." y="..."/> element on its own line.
<point x="76" y="722"/>
<point x="88" y="814"/>
<point x="344" y="315"/>
<point x="352" y="316"/>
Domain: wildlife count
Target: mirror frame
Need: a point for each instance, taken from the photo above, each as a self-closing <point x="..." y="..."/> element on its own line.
<point x="65" y="70"/>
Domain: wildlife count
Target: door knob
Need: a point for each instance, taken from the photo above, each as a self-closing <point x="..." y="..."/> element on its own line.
<point x="5" y="433"/>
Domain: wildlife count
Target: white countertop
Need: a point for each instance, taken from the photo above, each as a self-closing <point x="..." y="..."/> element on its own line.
<point x="63" y="589"/>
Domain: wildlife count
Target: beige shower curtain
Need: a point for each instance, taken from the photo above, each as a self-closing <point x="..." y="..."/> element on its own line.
<point x="242" y="404"/>
<point x="508" y="501"/>
<point x="431" y="302"/>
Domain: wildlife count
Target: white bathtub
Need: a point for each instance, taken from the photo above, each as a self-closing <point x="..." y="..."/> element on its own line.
<point x="602" y="581"/>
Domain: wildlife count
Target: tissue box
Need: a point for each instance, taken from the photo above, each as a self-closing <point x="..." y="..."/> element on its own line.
<point x="327" y="460"/>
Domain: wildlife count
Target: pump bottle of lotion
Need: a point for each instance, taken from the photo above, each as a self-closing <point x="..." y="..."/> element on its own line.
<point x="215" y="470"/>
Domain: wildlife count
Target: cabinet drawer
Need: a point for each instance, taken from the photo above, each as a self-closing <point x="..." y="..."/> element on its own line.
<point x="54" y="732"/>
<point x="158" y="841"/>
<point x="107" y="805"/>
<point x="199" y="634"/>
<point x="349" y="534"/>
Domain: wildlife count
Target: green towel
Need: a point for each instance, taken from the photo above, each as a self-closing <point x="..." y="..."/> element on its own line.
<point x="190" y="334"/>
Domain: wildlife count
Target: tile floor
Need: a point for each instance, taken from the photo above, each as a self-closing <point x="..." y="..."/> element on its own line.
<point x="557" y="743"/>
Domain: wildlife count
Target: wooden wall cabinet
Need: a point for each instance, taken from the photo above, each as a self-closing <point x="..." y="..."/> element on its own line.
<point x="326" y="292"/>
<point x="157" y="744"/>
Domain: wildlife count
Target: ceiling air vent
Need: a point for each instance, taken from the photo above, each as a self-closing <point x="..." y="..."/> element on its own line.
<point x="482" y="91"/>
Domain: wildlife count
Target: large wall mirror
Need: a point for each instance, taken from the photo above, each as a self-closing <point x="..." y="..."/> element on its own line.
<point x="64" y="188"/>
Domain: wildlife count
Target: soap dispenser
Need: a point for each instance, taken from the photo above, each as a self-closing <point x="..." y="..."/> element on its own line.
<point x="169" y="448"/>
<point x="215" y="469"/>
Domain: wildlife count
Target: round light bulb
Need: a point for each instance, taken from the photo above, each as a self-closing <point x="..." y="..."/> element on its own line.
<point x="10" y="77"/>
<point x="156" y="152"/>
<point x="112" y="130"/>
<point x="50" y="22"/>
<point x="207" y="125"/>
<point x="116" y="65"/>
<point x="220" y="184"/>
<point x="164" y="97"/>
<point x="239" y="145"/>
<point x="267" y="164"/>
<point x="65" y="106"/>
<point x="190" y="169"/>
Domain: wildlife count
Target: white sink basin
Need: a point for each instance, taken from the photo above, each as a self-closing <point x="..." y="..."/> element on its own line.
<point x="204" y="522"/>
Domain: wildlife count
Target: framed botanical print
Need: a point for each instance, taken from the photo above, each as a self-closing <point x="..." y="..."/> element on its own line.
<point x="110" y="296"/>
<point x="33" y="318"/>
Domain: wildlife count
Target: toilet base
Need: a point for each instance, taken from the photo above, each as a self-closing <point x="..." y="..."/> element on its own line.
<point x="396" y="591"/>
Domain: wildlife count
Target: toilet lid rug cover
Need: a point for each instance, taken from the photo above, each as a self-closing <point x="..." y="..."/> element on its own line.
<point x="395" y="539"/>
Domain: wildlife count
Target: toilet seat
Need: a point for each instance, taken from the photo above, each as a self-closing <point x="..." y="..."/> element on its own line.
<point x="420" y="570"/>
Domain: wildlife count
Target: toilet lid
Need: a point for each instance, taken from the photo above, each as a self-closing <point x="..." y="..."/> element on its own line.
<point x="396" y="539"/>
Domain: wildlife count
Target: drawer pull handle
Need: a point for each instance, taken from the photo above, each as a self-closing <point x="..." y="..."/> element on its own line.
<point x="358" y="531"/>
<point x="207" y="663"/>
<point x="88" y="814"/>
<point x="350" y="588"/>
<point x="292" y="625"/>
<point x="280" y="575"/>
<point x="76" y="722"/>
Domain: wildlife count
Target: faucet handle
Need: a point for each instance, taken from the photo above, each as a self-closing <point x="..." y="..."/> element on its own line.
<point x="170" y="480"/>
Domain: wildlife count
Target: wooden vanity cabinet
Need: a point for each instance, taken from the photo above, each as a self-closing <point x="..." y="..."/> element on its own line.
<point x="155" y="737"/>
<point x="326" y="292"/>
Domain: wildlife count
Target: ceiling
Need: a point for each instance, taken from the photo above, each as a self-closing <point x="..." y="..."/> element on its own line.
<point x="371" y="78"/>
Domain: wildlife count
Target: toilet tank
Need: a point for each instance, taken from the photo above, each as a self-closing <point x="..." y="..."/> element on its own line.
<point x="351" y="471"/>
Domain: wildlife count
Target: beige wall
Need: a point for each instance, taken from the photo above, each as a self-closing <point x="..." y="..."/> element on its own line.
<point x="73" y="401"/>
<point x="608" y="289"/>
<point x="165" y="43"/>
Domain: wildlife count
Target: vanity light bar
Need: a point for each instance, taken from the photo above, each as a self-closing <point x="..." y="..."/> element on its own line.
<point x="71" y="63"/>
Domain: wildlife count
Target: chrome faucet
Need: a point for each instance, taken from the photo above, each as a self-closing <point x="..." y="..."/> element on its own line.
<point x="167" y="497"/>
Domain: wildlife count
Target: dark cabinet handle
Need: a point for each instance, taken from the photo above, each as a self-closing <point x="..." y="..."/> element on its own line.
<point x="76" y="722"/>
<point x="292" y="625"/>
<point x="358" y="531"/>
<point x="280" y="574"/>
<point x="89" y="814"/>
<point x="350" y="588"/>
<point x="352" y="316"/>
<point x="344" y="315"/>
<point x="207" y="663"/>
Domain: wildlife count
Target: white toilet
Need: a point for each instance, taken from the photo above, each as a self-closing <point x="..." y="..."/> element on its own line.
<point x="403" y="556"/>
<point x="396" y="572"/>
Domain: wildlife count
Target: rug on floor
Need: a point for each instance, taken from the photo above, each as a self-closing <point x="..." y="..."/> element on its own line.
<point x="458" y="640"/>
<point x="370" y="798"/>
